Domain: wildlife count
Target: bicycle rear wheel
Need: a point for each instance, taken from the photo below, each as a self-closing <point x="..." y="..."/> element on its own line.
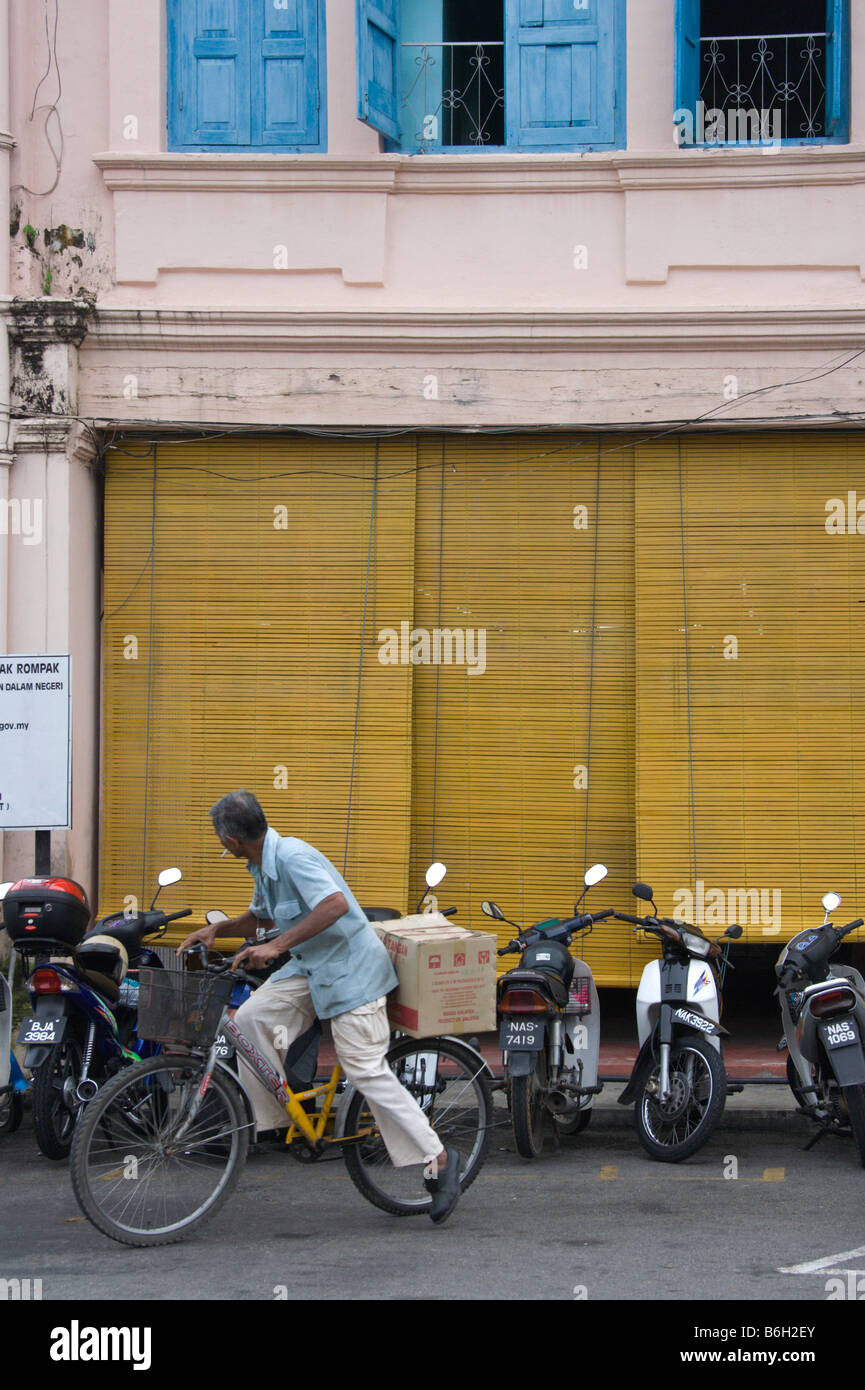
<point x="451" y="1085"/>
<point x="133" y="1177"/>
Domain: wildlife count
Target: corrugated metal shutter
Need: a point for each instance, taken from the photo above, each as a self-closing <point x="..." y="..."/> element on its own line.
<point x="772" y="681"/>
<point x="257" y="636"/>
<point x="254" y="660"/>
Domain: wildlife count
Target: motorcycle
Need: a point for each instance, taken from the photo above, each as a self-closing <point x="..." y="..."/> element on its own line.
<point x="823" y="1013"/>
<point x="12" y="1083"/>
<point x="83" y="1025"/>
<point x="678" y="1081"/>
<point x="549" y="1025"/>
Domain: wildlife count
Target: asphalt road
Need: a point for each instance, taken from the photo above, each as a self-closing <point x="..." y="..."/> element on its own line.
<point x="596" y="1220"/>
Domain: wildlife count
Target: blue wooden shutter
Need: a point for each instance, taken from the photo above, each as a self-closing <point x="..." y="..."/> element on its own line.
<point x="838" y="70"/>
<point x="285" y="72"/>
<point x="378" y="64"/>
<point x="208" y="44"/>
<point x="561" y="74"/>
<point x="688" y="63"/>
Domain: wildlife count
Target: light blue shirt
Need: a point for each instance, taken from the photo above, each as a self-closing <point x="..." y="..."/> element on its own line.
<point x="345" y="965"/>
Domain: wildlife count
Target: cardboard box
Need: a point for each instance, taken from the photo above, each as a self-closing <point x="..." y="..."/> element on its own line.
<point x="447" y="976"/>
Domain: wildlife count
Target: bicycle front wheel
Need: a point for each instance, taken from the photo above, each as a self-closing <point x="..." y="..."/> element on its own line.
<point x="451" y="1085"/>
<point x="138" y="1174"/>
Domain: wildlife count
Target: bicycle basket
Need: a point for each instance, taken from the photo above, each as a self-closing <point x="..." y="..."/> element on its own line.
<point x="176" y="1007"/>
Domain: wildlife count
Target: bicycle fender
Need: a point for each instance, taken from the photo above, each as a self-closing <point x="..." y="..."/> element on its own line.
<point x="248" y="1106"/>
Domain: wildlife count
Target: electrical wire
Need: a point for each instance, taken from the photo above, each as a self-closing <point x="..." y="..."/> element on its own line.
<point x="51" y="108"/>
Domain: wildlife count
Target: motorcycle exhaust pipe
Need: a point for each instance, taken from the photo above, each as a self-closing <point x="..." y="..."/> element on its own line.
<point x="561" y="1103"/>
<point x="86" y="1090"/>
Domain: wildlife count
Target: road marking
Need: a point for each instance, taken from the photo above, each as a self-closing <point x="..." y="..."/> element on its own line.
<point x="609" y="1173"/>
<point x="773" y="1175"/>
<point x="828" y="1261"/>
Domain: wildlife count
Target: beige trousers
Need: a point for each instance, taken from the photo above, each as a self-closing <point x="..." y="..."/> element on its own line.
<point x="282" y="1009"/>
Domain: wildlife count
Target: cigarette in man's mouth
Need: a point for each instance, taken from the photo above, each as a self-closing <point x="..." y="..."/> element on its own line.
<point x="223" y="854"/>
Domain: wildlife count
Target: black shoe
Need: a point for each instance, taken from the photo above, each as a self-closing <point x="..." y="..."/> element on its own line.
<point x="445" y="1188"/>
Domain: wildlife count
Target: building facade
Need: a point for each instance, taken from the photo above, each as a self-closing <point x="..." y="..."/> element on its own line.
<point x="445" y="420"/>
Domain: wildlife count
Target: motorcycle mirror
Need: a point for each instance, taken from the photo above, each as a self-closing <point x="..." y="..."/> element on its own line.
<point x="734" y="931"/>
<point x="642" y="890"/>
<point x="4" y="889"/>
<point x="215" y="916"/>
<point x="594" y="875"/>
<point x="434" y="874"/>
<point x="492" y="910"/>
<point x="165" y="877"/>
<point x="830" y="901"/>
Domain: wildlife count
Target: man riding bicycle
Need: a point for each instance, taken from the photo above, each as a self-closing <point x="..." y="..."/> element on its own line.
<point x="339" y="970"/>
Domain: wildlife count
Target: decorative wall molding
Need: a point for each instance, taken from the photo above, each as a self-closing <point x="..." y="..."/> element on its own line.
<point x="459" y="333"/>
<point x="467" y="174"/>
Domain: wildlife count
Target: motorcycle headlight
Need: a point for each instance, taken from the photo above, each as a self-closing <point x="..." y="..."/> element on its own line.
<point x="696" y="945"/>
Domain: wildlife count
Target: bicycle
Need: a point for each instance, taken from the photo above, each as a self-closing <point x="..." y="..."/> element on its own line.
<point x="161" y="1147"/>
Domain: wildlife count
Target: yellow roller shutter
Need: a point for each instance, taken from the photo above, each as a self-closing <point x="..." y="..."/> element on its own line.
<point x="504" y="548"/>
<point x="240" y="575"/>
<point x="755" y="703"/>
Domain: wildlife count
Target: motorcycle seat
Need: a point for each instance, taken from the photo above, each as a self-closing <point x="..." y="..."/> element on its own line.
<point x="546" y="979"/>
<point x="102" y="984"/>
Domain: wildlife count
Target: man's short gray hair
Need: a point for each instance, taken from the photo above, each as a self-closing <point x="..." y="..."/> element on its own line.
<point x="239" y="815"/>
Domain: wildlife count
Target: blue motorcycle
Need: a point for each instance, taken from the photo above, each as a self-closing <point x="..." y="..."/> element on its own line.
<point x="83" y="1026"/>
<point x="12" y="1083"/>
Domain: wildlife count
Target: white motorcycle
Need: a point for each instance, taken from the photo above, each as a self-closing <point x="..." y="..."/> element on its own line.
<point x="679" y="1081"/>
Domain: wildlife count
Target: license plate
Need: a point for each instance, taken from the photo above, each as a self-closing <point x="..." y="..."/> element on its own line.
<point x="44" y="1031"/>
<point x="518" y="1036"/>
<point x="842" y="1033"/>
<point x="224" y="1048"/>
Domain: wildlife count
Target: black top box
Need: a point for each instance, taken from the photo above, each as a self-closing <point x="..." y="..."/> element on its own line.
<point x="46" y="909"/>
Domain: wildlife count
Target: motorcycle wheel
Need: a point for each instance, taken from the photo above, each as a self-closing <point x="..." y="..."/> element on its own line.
<point x="854" y="1099"/>
<point x="53" y="1121"/>
<point x="528" y="1112"/>
<point x="11" y="1112"/>
<point x="698" y="1080"/>
<point x="573" y="1124"/>
<point x="794" y="1084"/>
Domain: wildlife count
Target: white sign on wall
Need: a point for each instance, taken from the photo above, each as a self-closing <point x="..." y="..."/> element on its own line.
<point x="35" y="744"/>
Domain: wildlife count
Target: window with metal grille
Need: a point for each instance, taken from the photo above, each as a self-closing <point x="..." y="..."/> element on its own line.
<point x="453" y="74"/>
<point x="467" y="75"/>
<point x="762" y="71"/>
